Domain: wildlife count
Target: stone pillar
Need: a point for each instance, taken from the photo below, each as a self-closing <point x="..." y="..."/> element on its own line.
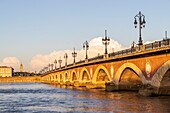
<point x="111" y="86"/>
<point x="142" y="47"/>
<point x="148" y="90"/>
<point x="86" y="60"/>
<point x="136" y="48"/>
<point x="106" y="56"/>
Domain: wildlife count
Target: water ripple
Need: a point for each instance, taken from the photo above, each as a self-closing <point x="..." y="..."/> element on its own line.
<point x="36" y="97"/>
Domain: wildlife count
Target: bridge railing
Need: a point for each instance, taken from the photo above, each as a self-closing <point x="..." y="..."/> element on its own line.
<point x="96" y="58"/>
<point x="79" y="62"/>
<point x="150" y="46"/>
<point x="123" y="52"/>
<point x="157" y="44"/>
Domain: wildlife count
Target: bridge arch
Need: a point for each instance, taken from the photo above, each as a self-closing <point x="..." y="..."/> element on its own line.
<point x="73" y="76"/>
<point x="52" y="77"/>
<point x="128" y="66"/>
<point x="66" y="76"/>
<point x="56" y="77"/>
<point x="95" y="76"/>
<point x="61" y="77"/>
<point x="84" y="75"/>
<point x="49" y="78"/>
<point x="159" y="74"/>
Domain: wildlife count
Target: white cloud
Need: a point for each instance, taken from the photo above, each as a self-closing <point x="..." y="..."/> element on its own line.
<point x="40" y="61"/>
<point x="147" y="42"/>
<point x="11" y="61"/>
<point x="95" y="47"/>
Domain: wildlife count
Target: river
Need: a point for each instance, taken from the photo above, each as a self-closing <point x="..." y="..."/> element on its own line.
<point x="44" y="98"/>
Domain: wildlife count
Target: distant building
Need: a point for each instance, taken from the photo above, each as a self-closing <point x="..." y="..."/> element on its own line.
<point x="21" y="67"/>
<point x="22" y="73"/>
<point x="6" y="71"/>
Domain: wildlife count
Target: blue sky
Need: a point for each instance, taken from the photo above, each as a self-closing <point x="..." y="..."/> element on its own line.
<point x="31" y="27"/>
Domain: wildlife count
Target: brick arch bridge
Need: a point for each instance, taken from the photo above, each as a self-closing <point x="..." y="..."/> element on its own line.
<point x="129" y="69"/>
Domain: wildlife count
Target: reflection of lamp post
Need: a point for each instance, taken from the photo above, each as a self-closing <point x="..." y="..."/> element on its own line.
<point x="86" y="47"/>
<point x="55" y="62"/>
<point x="106" y="41"/>
<point x="60" y="61"/>
<point x="74" y="54"/>
<point x="141" y="25"/>
<point x="65" y="56"/>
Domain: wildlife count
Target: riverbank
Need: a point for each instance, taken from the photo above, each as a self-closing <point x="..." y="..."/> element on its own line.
<point x="20" y="79"/>
<point x="144" y="90"/>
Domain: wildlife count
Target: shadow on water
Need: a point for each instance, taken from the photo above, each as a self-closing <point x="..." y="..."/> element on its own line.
<point x="37" y="97"/>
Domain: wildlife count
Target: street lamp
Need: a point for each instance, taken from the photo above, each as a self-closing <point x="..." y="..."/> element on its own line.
<point x="74" y="54"/>
<point x="106" y="41"/>
<point x="52" y="66"/>
<point x="40" y="72"/>
<point x="49" y="65"/>
<point x="65" y="57"/>
<point x="142" y="23"/>
<point x="46" y="68"/>
<point x="166" y="35"/>
<point x="86" y="47"/>
<point x="55" y="62"/>
<point x="60" y="61"/>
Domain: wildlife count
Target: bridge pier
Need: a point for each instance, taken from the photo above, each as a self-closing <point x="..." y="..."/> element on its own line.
<point x="111" y="86"/>
<point x="97" y="85"/>
<point x="80" y="84"/>
<point x="144" y="90"/>
<point x="122" y="87"/>
<point x="148" y="90"/>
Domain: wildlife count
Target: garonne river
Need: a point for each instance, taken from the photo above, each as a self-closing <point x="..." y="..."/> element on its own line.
<point x="44" y="98"/>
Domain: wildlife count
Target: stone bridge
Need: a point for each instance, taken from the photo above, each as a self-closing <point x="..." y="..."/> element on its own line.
<point x="145" y="67"/>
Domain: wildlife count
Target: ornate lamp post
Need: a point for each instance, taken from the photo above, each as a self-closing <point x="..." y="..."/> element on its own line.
<point x="40" y="72"/>
<point x="52" y="66"/>
<point x="60" y="61"/>
<point x="55" y="62"/>
<point x="49" y="65"/>
<point x="46" y="68"/>
<point x="142" y="23"/>
<point x="65" y="57"/>
<point x="106" y="41"/>
<point x="74" y="54"/>
<point x="43" y="70"/>
<point x="86" y="47"/>
<point x="166" y="35"/>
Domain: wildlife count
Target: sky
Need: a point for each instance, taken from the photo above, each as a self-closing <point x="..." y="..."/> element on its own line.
<point x="36" y="32"/>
